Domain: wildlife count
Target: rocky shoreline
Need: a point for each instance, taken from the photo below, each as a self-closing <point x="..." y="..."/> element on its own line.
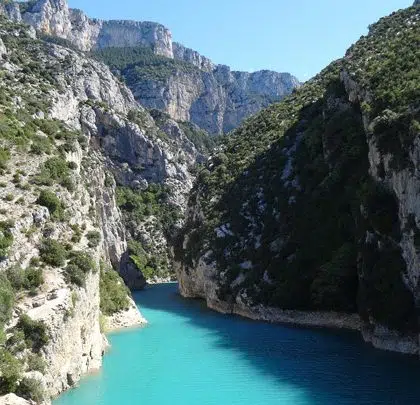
<point x="330" y="320"/>
<point x="379" y="336"/>
<point x="130" y="318"/>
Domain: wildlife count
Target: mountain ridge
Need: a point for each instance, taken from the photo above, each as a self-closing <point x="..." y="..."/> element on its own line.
<point x="312" y="204"/>
<point x="214" y="97"/>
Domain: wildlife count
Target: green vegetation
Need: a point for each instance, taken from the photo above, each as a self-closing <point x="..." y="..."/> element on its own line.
<point x="35" y="332"/>
<point x="138" y="205"/>
<point x="138" y="64"/>
<point x="7" y="299"/>
<point x="31" y="389"/>
<point x="36" y="362"/>
<point x="143" y="120"/>
<point x="55" y="170"/>
<point x="80" y="264"/>
<point x="149" y="265"/>
<point x="10" y="372"/>
<point x="52" y="39"/>
<point x="4" y="158"/>
<point x="49" y="199"/>
<point x="200" y="138"/>
<point x="386" y="64"/>
<point x="77" y="233"/>
<point x="94" y="238"/>
<point x="53" y="253"/>
<point x="289" y="193"/>
<point x="6" y="237"/>
<point x="114" y="294"/>
<point x="25" y="279"/>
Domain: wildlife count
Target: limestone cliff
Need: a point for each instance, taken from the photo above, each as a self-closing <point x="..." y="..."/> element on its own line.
<point x="192" y="89"/>
<point x="71" y="137"/>
<point x="216" y="100"/>
<point x="313" y="204"/>
<point x="54" y="17"/>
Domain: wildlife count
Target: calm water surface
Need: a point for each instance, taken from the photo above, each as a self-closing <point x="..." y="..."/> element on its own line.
<point x="188" y="355"/>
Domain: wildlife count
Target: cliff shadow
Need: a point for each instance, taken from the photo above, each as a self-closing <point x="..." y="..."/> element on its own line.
<point x="326" y="365"/>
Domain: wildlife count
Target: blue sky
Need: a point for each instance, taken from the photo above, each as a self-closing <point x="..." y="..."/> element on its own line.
<point x="296" y="36"/>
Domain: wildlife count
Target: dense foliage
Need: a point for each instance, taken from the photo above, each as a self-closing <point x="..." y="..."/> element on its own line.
<point x="288" y="200"/>
<point x="138" y="64"/>
<point x="139" y="207"/>
<point x="114" y="294"/>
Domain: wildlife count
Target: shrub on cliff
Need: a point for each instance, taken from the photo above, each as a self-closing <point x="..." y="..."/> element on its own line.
<point x="35" y="332"/>
<point x="31" y="389"/>
<point x="24" y="279"/>
<point x="7" y="299"/>
<point x="52" y="252"/>
<point x="79" y="266"/>
<point x="114" y="294"/>
<point x="10" y="372"/>
<point x="6" y="238"/>
<point x="94" y="238"/>
<point x="4" y="158"/>
<point x="35" y="362"/>
<point x="49" y="199"/>
<point x="55" y="170"/>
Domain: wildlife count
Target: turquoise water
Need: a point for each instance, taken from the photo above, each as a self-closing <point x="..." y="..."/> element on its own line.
<point x="189" y="355"/>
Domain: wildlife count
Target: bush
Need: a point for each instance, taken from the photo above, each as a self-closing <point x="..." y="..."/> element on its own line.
<point x="7" y="299"/>
<point x="72" y="165"/>
<point x="25" y="279"/>
<point x="36" y="332"/>
<point x="16" y="342"/>
<point x="6" y="237"/>
<point x="10" y="371"/>
<point x="82" y="260"/>
<point x="54" y="170"/>
<point x="50" y="200"/>
<point x="31" y="389"/>
<point x="77" y="233"/>
<point x="79" y="266"/>
<point x="4" y="158"/>
<point x="34" y="278"/>
<point x="40" y="145"/>
<point x="148" y="265"/>
<point x="36" y="362"/>
<point x="94" y="238"/>
<point x="113" y="292"/>
<point x="74" y="275"/>
<point x="53" y="253"/>
<point x="68" y="183"/>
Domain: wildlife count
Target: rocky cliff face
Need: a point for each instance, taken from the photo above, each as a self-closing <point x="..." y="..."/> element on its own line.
<point x="313" y="203"/>
<point x="216" y="100"/>
<point x="54" y="17"/>
<point x="72" y="137"/>
<point x="211" y="96"/>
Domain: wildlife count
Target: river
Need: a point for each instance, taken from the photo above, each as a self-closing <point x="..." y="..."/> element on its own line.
<point x="189" y="355"/>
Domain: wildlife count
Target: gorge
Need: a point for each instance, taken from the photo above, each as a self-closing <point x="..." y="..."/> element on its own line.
<point x="116" y="169"/>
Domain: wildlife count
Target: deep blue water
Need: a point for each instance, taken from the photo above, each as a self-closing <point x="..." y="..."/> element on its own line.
<point x="188" y="355"/>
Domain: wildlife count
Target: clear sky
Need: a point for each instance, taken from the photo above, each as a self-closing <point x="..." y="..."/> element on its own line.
<point x="296" y="36"/>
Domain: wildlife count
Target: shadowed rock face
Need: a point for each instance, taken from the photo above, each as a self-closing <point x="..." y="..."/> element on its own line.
<point x="213" y="97"/>
<point x="314" y="202"/>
